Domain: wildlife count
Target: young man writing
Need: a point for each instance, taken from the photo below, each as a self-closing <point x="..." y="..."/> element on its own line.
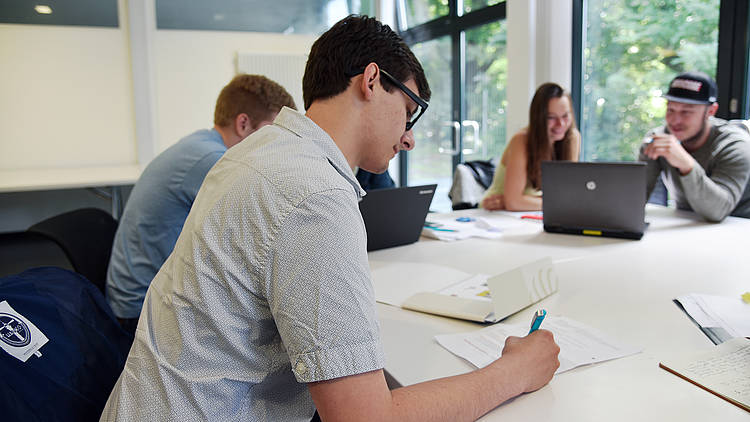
<point x="265" y="310"/>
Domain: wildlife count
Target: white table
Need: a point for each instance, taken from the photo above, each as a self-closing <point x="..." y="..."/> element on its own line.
<point x="622" y="287"/>
<point x="112" y="177"/>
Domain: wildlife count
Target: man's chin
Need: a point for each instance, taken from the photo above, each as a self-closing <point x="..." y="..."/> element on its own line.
<point x="374" y="169"/>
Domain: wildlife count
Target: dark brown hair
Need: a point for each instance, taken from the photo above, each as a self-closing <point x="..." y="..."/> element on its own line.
<point x="538" y="146"/>
<point x="347" y="48"/>
<point x="255" y="95"/>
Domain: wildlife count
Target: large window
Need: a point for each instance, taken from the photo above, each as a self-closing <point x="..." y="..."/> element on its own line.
<point x="625" y="53"/>
<point x="463" y="53"/>
<point x="632" y="50"/>
<point x="283" y="16"/>
<point x="70" y="12"/>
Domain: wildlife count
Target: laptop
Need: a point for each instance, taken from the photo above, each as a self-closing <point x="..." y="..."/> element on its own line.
<point x="594" y="199"/>
<point x="395" y="216"/>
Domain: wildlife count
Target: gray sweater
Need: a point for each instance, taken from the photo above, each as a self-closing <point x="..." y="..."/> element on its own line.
<point x="718" y="186"/>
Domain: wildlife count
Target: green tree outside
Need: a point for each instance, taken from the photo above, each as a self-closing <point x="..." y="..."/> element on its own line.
<point x="633" y="50"/>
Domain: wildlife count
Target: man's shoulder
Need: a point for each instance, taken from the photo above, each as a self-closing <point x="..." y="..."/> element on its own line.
<point x="731" y="135"/>
<point x="199" y="144"/>
<point x="190" y="149"/>
<point x="278" y="166"/>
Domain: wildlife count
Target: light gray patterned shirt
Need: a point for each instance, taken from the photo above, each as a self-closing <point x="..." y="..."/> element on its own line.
<point x="268" y="288"/>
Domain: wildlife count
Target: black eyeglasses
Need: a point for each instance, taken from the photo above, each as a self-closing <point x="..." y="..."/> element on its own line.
<point x="421" y="104"/>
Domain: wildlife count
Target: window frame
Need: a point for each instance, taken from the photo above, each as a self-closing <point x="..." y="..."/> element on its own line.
<point x="454" y="24"/>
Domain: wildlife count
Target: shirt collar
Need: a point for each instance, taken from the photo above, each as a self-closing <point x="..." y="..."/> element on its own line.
<point x="305" y="128"/>
<point x="216" y="137"/>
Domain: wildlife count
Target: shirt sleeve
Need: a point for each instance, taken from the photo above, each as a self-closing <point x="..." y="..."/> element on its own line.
<point x="716" y="195"/>
<point x="319" y="291"/>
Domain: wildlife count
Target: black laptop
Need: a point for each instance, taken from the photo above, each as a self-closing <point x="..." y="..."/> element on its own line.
<point x="395" y="216"/>
<point x="594" y="199"/>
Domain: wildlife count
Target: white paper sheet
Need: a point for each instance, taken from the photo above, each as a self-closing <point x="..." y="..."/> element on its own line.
<point x="579" y="344"/>
<point x="390" y="287"/>
<point x="448" y="228"/>
<point x="730" y="313"/>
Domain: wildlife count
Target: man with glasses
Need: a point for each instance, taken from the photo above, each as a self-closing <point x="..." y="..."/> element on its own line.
<point x="704" y="161"/>
<point x="266" y="310"/>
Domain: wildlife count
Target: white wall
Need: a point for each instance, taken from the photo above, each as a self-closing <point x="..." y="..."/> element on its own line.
<point x="66" y="97"/>
<point x="191" y="68"/>
<point x="539" y="50"/>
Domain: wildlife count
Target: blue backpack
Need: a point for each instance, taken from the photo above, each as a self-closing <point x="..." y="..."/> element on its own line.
<point x="82" y="359"/>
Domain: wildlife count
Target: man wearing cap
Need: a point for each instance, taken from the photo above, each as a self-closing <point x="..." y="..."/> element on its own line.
<point x="704" y="161"/>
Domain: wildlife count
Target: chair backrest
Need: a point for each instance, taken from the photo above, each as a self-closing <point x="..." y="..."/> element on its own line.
<point x="86" y="236"/>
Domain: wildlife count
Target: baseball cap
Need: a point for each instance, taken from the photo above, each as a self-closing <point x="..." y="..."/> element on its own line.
<point x="692" y="88"/>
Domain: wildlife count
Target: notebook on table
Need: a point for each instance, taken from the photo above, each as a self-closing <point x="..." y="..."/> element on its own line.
<point x="395" y="216"/>
<point x="595" y="199"/>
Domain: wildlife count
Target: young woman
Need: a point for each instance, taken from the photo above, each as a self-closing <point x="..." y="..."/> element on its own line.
<point x="551" y="135"/>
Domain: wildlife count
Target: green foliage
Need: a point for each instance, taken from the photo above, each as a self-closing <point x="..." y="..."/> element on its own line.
<point x="633" y="49"/>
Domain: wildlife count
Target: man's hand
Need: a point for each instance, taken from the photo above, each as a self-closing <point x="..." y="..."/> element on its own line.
<point x="493" y="202"/>
<point x="534" y="359"/>
<point x="667" y="146"/>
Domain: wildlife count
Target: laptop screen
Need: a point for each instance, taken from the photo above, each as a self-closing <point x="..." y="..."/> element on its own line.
<point x="395" y="217"/>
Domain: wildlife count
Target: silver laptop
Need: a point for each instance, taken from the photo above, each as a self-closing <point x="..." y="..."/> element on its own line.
<point x="594" y="199"/>
<point x="395" y="216"/>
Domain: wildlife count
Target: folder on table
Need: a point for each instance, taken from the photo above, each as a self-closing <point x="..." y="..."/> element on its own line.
<point x="509" y="292"/>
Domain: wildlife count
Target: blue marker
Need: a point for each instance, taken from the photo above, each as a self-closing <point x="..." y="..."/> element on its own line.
<point x="536" y="321"/>
<point x="464" y="219"/>
<point x="440" y="230"/>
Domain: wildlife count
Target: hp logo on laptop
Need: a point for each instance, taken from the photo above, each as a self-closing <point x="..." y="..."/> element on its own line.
<point x="590" y="185"/>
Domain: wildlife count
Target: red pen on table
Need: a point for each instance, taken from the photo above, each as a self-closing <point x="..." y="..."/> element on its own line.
<point x="533" y="216"/>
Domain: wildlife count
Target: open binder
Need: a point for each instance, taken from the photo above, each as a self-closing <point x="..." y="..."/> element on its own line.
<point x="509" y="292"/>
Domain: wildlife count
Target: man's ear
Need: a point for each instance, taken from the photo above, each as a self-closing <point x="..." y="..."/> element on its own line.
<point x="370" y="77"/>
<point x="243" y="126"/>
<point x="712" y="109"/>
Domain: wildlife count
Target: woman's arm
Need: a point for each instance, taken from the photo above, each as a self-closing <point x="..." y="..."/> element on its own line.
<point x="515" y="159"/>
<point x="576" y="145"/>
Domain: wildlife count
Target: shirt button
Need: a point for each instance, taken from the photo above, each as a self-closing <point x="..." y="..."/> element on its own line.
<point x="301" y="367"/>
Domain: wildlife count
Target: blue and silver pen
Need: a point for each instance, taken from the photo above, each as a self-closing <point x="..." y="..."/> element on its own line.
<point x="536" y="321"/>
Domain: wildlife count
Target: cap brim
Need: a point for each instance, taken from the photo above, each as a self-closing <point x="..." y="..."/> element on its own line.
<point x="685" y="100"/>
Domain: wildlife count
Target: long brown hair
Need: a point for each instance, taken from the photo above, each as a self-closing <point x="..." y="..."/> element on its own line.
<point x="538" y="146"/>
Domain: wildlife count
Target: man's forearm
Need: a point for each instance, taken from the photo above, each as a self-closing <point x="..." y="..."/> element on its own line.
<point x="711" y="200"/>
<point x="460" y="398"/>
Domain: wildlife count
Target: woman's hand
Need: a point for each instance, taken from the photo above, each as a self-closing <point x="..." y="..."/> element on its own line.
<point x="493" y="202"/>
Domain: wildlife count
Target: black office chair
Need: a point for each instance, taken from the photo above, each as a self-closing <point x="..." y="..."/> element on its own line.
<point x="86" y="236"/>
<point x="20" y="251"/>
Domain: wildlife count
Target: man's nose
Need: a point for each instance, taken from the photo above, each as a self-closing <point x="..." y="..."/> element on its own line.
<point x="407" y="140"/>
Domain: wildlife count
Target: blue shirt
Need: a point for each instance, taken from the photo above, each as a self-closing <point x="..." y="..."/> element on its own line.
<point x="154" y="215"/>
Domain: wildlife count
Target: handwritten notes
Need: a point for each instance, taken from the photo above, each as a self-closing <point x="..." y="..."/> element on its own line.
<point x="724" y="370"/>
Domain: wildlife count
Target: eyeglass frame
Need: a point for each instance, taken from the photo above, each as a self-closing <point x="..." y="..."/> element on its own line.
<point x="409" y="93"/>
